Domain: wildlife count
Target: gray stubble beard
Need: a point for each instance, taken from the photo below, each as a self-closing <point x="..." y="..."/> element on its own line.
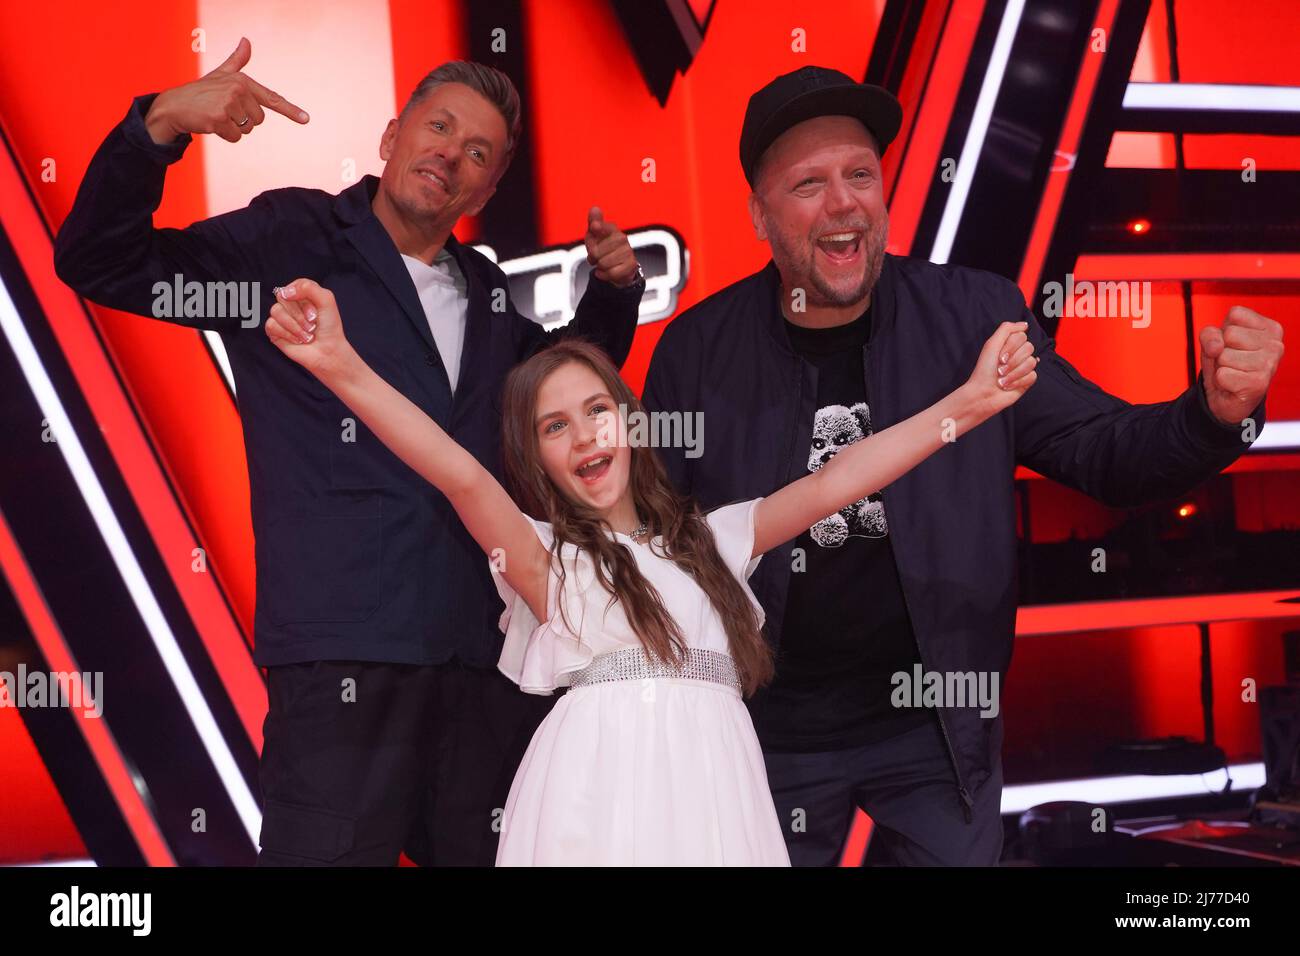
<point x="821" y="293"/>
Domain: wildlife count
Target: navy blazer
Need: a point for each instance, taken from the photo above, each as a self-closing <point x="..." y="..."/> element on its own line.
<point x="358" y="558"/>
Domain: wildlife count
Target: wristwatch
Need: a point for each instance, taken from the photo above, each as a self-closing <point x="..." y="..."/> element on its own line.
<point x="640" y="277"/>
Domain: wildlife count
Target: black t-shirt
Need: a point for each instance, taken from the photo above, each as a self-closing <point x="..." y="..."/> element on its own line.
<point x="846" y="629"/>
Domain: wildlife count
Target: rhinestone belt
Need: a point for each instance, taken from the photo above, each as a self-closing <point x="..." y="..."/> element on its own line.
<point x="633" y="663"/>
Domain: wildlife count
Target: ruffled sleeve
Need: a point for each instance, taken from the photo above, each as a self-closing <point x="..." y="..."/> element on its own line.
<point x="733" y="531"/>
<point x="538" y="655"/>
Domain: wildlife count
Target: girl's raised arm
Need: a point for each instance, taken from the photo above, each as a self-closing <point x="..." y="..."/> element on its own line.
<point x="873" y="462"/>
<point x="305" y="325"/>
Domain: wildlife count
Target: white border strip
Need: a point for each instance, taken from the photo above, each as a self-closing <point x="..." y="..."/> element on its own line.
<point x="1101" y="791"/>
<point x="218" y="349"/>
<point x="53" y="863"/>
<point x="1227" y="97"/>
<point x="1278" y="436"/>
<point x="975" y="133"/>
<point x="132" y="574"/>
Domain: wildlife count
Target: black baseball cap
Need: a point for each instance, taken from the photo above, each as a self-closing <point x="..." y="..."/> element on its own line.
<point x="809" y="92"/>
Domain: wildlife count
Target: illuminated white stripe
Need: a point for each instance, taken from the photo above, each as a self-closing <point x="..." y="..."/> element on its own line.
<point x="1102" y="791"/>
<point x="975" y="133"/>
<point x="218" y="349"/>
<point x="1212" y="96"/>
<point x="1278" y="436"/>
<point x="132" y="575"/>
<point x="56" y="863"/>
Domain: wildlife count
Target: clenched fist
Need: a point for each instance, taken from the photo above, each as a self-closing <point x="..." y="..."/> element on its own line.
<point x="1238" y="361"/>
<point x="225" y="101"/>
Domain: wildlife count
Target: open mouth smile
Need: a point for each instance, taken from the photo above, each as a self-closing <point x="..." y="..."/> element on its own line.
<point x="594" y="469"/>
<point x="841" y="248"/>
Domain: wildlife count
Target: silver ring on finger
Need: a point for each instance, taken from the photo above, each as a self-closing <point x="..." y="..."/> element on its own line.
<point x="244" y="122"/>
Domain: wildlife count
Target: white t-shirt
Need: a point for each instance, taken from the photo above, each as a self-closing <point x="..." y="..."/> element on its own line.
<point x="445" y="300"/>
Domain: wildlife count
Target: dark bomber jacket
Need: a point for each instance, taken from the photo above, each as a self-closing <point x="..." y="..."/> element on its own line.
<point x="952" y="519"/>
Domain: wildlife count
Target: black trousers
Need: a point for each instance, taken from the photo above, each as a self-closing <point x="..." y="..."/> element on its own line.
<point x="905" y="784"/>
<point x="361" y="761"/>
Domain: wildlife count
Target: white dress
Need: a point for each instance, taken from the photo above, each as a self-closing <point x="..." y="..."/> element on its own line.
<point x="643" y="772"/>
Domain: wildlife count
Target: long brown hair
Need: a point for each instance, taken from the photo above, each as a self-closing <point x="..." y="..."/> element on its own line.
<point x="687" y="538"/>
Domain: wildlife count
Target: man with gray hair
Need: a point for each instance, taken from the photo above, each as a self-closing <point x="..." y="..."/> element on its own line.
<point x="389" y="726"/>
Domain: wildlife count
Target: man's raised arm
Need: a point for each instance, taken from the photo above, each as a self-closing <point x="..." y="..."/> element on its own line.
<point x="108" y="249"/>
<point x="1069" y="429"/>
<point x="607" y="314"/>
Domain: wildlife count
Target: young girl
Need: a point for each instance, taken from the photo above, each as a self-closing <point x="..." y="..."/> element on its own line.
<point x="624" y="592"/>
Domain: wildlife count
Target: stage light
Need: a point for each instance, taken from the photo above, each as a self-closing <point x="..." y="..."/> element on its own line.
<point x="1016" y="798"/>
<point x="1187" y="510"/>
<point x="1212" y="96"/>
<point x="1278" y="436"/>
<point x="1139" y="226"/>
<point x="975" y="133"/>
